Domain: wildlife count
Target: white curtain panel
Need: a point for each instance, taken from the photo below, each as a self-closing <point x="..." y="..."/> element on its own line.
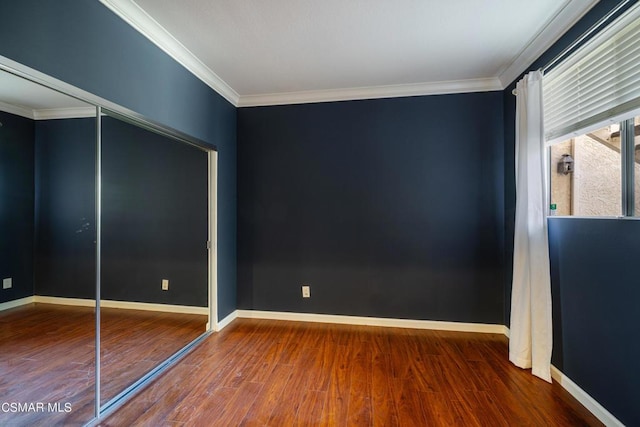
<point x="531" y="339"/>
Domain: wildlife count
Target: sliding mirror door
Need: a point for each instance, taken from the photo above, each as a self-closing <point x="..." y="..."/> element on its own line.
<point x="105" y="211"/>
<point x="154" y="256"/>
<point x="47" y="255"/>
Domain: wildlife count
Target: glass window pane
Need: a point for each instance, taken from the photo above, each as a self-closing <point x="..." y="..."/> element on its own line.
<point x="586" y="173"/>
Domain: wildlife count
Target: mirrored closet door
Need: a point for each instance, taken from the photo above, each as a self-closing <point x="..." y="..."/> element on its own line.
<point x="47" y="255"/>
<point x="107" y="237"/>
<point x="154" y="257"/>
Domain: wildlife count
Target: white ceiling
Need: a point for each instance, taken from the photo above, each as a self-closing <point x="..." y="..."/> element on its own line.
<point x="25" y="98"/>
<point x="257" y="52"/>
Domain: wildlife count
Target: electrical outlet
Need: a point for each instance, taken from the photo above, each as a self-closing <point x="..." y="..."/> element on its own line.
<point x="165" y="284"/>
<point x="306" y="291"/>
<point x="7" y="283"/>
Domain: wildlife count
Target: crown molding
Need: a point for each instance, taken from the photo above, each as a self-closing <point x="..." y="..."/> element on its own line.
<point x="135" y="16"/>
<point x="50" y="113"/>
<point x="16" y="110"/>
<point x="64" y="113"/>
<point x="373" y="92"/>
<point x="566" y="17"/>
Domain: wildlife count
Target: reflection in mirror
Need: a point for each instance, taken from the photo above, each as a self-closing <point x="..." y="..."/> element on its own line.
<point x="47" y="256"/>
<point x="154" y="269"/>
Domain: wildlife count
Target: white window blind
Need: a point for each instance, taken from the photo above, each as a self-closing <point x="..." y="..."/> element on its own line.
<point x="599" y="81"/>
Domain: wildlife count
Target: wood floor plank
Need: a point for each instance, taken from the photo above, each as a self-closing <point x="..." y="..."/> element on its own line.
<point x="360" y="411"/>
<point x="322" y="364"/>
<point x="264" y="404"/>
<point x="408" y="402"/>
<point x="384" y="407"/>
<point x="311" y="408"/>
<point x="237" y="404"/>
<point x="286" y="410"/>
<point x="439" y="410"/>
<point x="336" y="405"/>
<point x="207" y="405"/>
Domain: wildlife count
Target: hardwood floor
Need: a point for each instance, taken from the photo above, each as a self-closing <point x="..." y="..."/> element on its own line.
<point x="47" y="354"/>
<point x="259" y="372"/>
<point x="133" y="342"/>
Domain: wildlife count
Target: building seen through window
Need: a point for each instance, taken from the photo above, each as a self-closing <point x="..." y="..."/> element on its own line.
<point x="586" y="173"/>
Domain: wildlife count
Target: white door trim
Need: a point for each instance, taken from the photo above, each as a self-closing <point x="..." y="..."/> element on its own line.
<point x="212" y="243"/>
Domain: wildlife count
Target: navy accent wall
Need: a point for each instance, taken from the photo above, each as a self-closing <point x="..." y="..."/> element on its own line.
<point x="596" y="294"/>
<point x="16" y="205"/>
<point x="154" y="214"/>
<point x="65" y="247"/>
<point x="154" y="217"/>
<point x="594" y="289"/>
<point x="387" y="208"/>
<point x="83" y="43"/>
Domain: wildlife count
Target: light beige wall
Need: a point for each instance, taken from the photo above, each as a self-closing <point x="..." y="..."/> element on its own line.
<point x="596" y="185"/>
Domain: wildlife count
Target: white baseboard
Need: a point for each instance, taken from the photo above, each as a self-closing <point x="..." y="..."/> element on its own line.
<point x="126" y="305"/>
<point x="583" y="397"/>
<point x="76" y="302"/>
<point x="15" y="303"/>
<point x="167" y="308"/>
<point x="373" y="321"/>
<point x="225" y="322"/>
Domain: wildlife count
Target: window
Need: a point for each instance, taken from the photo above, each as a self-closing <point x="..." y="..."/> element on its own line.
<point x="597" y="173"/>
<point x="586" y="174"/>
<point x="592" y="124"/>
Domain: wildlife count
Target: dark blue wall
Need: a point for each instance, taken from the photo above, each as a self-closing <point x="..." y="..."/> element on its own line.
<point x="154" y="214"/>
<point x="596" y="294"/>
<point x="83" y="43"/>
<point x="16" y="205"/>
<point x="154" y="217"/>
<point x="388" y="208"/>
<point x="65" y="249"/>
<point x="593" y="286"/>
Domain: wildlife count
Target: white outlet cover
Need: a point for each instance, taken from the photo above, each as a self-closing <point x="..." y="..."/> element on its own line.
<point x="165" y="284"/>
<point x="7" y="283"/>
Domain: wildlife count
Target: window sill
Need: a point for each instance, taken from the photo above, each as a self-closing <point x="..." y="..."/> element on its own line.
<point x="626" y="218"/>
